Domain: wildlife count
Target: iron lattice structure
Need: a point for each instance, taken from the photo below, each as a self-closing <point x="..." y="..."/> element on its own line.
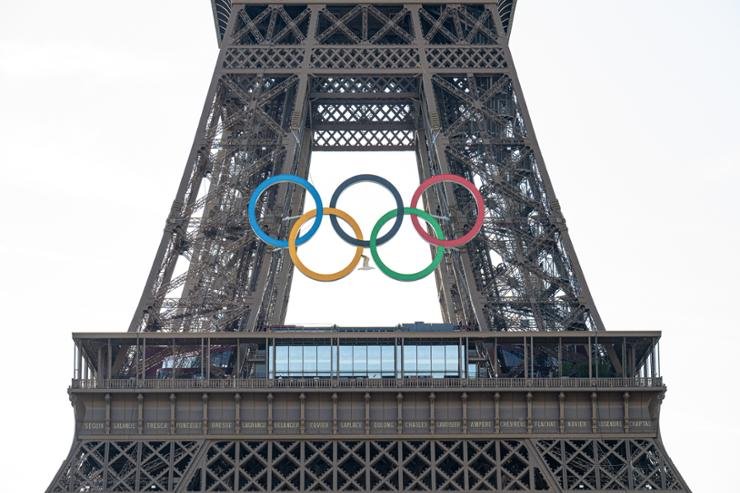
<point x="436" y="78"/>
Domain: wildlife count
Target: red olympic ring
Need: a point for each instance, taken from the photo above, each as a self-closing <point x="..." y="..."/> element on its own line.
<point x="454" y="242"/>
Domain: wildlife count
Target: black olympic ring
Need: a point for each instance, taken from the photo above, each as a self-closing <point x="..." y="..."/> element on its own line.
<point x="383" y="183"/>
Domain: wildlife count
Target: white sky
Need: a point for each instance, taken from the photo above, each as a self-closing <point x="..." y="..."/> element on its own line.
<point x="635" y="105"/>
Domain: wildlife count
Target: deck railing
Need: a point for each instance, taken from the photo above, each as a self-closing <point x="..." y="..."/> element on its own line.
<point x="368" y="383"/>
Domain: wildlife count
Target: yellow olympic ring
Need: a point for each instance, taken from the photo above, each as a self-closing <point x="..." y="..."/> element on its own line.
<point x="293" y="249"/>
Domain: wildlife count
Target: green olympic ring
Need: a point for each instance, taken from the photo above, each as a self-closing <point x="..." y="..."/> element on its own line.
<point x="397" y="275"/>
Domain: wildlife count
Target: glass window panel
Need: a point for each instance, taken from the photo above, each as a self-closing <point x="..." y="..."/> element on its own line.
<point x="323" y="361"/>
<point x="608" y="360"/>
<point x="511" y="360"/>
<point x="309" y="361"/>
<point x="409" y="361"/>
<point x="424" y="361"/>
<point x="295" y="362"/>
<point x="575" y="360"/>
<point x="373" y="362"/>
<point x="545" y="363"/>
<point x="438" y="361"/>
<point x="281" y="360"/>
<point x="389" y="361"/>
<point x="360" y="361"/>
<point x="451" y="361"/>
<point x="345" y="361"/>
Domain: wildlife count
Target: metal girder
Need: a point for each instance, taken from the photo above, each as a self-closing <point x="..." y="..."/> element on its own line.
<point x="221" y="13"/>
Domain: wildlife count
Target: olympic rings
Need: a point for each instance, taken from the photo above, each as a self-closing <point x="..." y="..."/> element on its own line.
<point x="417" y="275"/>
<point x="383" y="183"/>
<point x="293" y="249"/>
<point x="478" y="202"/>
<point x="294" y="240"/>
<point x="252" y="209"/>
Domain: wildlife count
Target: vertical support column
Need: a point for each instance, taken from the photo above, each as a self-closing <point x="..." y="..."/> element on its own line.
<point x="107" y="413"/>
<point x="302" y="465"/>
<point x="273" y="360"/>
<point x="302" y="416"/>
<point x="462" y="358"/>
<point x="444" y="295"/>
<point x="624" y="358"/>
<point x="78" y="362"/>
<point x="499" y="475"/>
<point x="173" y="404"/>
<point x="564" y="463"/>
<point x="140" y="413"/>
<point x="626" y="404"/>
<point x="455" y="275"/>
<point x="334" y="426"/>
<point x="205" y="413"/>
<point x="560" y="357"/>
<point x="269" y="414"/>
<point x="497" y="411"/>
<point x="99" y="370"/>
<point x="335" y="460"/>
<point x="270" y="463"/>
<point x="367" y="413"/>
<point x="594" y="413"/>
<point x="432" y="422"/>
<point x="237" y="460"/>
<point x="368" y="460"/>
<point x="561" y="405"/>
<point x="399" y="413"/>
<point x="109" y="362"/>
<point x="297" y="157"/>
<point x="400" y="359"/>
<point x="238" y="367"/>
<point x="202" y="360"/>
<point x="529" y="412"/>
<point x="237" y="413"/>
<point x="466" y="462"/>
<point x="139" y="447"/>
<point x="464" y="399"/>
<point x="399" y="461"/>
<point x="208" y="358"/>
<point x="590" y="359"/>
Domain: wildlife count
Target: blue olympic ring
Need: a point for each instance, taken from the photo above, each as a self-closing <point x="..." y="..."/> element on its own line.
<point x="252" y="209"/>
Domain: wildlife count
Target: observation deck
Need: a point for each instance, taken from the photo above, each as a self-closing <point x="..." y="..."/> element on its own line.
<point x="416" y="379"/>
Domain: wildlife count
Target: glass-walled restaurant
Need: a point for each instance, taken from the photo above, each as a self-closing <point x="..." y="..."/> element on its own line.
<point x="377" y="360"/>
<point x="393" y="353"/>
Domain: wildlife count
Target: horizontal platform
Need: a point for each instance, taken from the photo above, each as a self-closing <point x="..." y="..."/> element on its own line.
<point x="413" y="357"/>
<point x="358" y="332"/>
<point x="367" y="384"/>
<point x="380" y="412"/>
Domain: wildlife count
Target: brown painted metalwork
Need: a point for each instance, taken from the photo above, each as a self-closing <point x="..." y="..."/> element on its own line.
<point x="538" y="397"/>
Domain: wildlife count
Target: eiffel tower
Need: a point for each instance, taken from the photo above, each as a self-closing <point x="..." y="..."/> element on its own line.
<point x="520" y="389"/>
